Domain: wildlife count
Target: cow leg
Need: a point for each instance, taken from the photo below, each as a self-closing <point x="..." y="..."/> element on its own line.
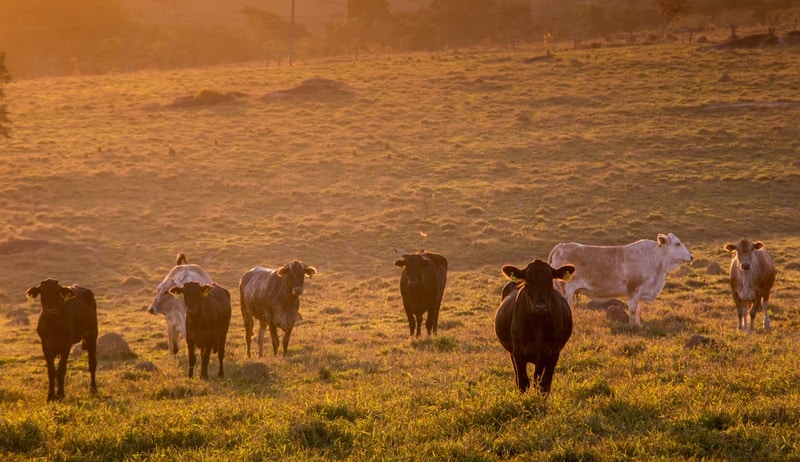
<point x="273" y="333"/>
<point x="286" y="334"/>
<point x="51" y="376"/>
<point x="248" y="331"/>
<point x="262" y="328"/>
<point x="91" y="349"/>
<point x="419" y="323"/>
<point x="546" y="379"/>
<point x="521" y="371"/>
<point x="192" y="358"/>
<point x="61" y="373"/>
<point x="221" y="356"/>
<point x="635" y="311"/>
<point x="411" y="321"/>
<point x="205" y="356"/>
<point x="172" y="338"/>
<point x="765" y="307"/>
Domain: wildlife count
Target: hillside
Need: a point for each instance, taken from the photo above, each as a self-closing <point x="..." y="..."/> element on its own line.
<point x="484" y="155"/>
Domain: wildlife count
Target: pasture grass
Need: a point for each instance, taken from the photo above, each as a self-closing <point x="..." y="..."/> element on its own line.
<point x="477" y="155"/>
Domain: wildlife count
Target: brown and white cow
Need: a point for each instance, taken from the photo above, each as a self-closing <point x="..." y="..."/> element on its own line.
<point x="752" y="276"/>
<point x="174" y="309"/>
<point x="637" y="271"/>
<point x="273" y="297"/>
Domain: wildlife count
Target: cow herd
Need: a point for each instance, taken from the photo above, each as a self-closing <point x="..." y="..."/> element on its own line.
<point x="533" y="322"/>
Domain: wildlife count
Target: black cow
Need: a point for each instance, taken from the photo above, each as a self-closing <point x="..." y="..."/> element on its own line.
<point x="273" y="297"/>
<point x="69" y="316"/>
<point x="534" y="322"/>
<point x="208" y="315"/>
<point x="422" y="286"/>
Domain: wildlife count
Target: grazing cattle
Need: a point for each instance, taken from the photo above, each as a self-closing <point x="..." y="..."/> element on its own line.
<point x="752" y="276"/>
<point x="174" y="309"/>
<point x="69" y="316"/>
<point x="637" y="271"/>
<point x="534" y="322"/>
<point x="422" y="284"/>
<point x="208" y="315"/>
<point x="273" y="297"/>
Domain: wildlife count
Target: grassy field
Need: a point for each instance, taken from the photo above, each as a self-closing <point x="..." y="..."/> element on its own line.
<point x="481" y="156"/>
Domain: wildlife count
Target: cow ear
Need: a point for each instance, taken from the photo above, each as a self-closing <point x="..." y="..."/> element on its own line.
<point x="310" y="271"/>
<point x="729" y="247"/>
<point x="513" y="273"/>
<point x="33" y="292"/>
<point x="205" y="290"/>
<point x="662" y="239"/>
<point x="66" y="293"/>
<point x="401" y="263"/>
<point x="564" y="273"/>
<point x="283" y="270"/>
<point x="758" y="245"/>
<point x="176" y="291"/>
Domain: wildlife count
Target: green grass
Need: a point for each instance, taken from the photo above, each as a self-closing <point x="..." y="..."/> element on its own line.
<point x="476" y="155"/>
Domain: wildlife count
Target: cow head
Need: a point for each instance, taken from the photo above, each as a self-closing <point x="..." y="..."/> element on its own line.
<point x="52" y="294"/>
<point x="743" y="250"/>
<point x="413" y="264"/>
<point x="193" y="294"/>
<point x="676" y="252"/>
<point x="294" y="274"/>
<point x="536" y="281"/>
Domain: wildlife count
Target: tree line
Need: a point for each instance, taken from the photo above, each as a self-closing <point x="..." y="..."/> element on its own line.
<point x="42" y="37"/>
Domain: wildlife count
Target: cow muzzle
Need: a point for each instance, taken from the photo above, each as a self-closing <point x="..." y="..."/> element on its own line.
<point x="151" y="310"/>
<point x="745" y="266"/>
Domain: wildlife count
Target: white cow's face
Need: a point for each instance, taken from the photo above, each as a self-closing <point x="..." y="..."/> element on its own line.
<point x="676" y="252"/>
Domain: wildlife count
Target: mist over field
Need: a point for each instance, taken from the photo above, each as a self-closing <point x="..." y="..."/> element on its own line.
<point x="89" y="37"/>
<point x="485" y="150"/>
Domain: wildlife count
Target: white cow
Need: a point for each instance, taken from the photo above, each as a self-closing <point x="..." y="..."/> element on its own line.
<point x="637" y="271"/>
<point x="174" y="309"/>
<point x="752" y="276"/>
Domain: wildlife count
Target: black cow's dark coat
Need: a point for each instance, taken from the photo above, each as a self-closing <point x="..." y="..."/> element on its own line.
<point x="534" y="322"/>
<point x="208" y="315"/>
<point x="422" y="287"/>
<point x="69" y="316"/>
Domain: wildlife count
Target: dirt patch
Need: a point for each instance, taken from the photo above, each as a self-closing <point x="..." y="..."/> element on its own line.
<point x="714" y="269"/>
<point x="204" y="98"/>
<point x="15" y="246"/>
<point x="254" y="373"/>
<point x="316" y="88"/>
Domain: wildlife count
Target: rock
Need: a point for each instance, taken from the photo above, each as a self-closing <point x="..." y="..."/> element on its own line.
<point x="113" y="346"/>
<point x="714" y="269"/>
<point x="616" y="313"/>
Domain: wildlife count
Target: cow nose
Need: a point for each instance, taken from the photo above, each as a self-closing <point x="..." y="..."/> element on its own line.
<point x="745" y="266"/>
<point x="297" y="291"/>
<point x="151" y="310"/>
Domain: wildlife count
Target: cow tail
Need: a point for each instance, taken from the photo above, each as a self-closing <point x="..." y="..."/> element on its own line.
<point x="180" y="259"/>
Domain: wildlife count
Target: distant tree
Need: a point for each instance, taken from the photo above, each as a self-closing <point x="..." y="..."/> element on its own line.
<point x="671" y="10"/>
<point x="368" y="11"/>
<point x="5" y="77"/>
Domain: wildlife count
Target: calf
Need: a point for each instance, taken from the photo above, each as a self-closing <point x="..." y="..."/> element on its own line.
<point x="752" y="276"/>
<point x="637" y="271"/>
<point x="208" y="315"/>
<point x="174" y="309"/>
<point x="69" y="316"/>
<point x="422" y="287"/>
<point x="273" y="297"/>
<point x="534" y="322"/>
